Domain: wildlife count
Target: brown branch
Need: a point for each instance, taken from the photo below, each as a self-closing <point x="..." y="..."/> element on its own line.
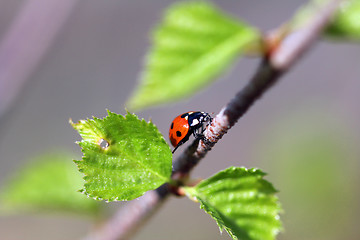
<point x="290" y="49"/>
<point x="129" y="218"/>
<point x="264" y="78"/>
<point x="281" y="59"/>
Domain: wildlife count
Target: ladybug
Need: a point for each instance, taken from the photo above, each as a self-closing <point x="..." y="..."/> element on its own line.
<point x="186" y="124"/>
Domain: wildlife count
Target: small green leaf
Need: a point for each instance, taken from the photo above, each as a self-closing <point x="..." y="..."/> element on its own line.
<point x="346" y="24"/>
<point x="123" y="157"/>
<point x="50" y="183"/>
<point x="194" y="42"/>
<point x="241" y="202"/>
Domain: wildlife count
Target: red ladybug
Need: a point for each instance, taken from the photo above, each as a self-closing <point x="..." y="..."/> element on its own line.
<point x="186" y="124"/>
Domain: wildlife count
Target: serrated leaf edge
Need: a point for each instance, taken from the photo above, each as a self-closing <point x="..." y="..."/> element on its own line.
<point x="192" y="194"/>
<point x="78" y="162"/>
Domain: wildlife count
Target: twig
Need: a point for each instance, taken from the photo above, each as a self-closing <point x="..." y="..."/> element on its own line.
<point x="289" y="50"/>
<point x="129" y="218"/>
<point x="264" y="78"/>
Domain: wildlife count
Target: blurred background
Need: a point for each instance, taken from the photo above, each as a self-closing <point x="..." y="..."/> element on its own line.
<point x="75" y="59"/>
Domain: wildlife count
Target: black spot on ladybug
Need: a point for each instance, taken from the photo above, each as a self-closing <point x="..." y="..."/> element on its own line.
<point x="172" y="126"/>
<point x="184" y="115"/>
<point x="178" y="133"/>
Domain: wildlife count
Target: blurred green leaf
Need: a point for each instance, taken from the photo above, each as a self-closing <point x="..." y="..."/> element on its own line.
<point x="346" y="24"/>
<point x="194" y="42"/>
<point x="241" y="202"/>
<point x="50" y="183"/>
<point x="123" y="157"/>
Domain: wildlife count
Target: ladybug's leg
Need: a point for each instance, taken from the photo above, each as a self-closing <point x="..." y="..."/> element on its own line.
<point x="182" y="142"/>
<point x="201" y="136"/>
<point x="198" y="133"/>
<point x="176" y="147"/>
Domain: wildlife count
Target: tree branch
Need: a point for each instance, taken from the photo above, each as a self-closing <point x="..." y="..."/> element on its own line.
<point x="129" y="218"/>
<point x="290" y="49"/>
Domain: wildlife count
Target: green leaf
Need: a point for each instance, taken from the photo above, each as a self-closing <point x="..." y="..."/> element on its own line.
<point x="123" y="157"/>
<point x="346" y="24"/>
<point x="50" y="183"/>
<point x="194" y="43"/>
<point x="241" y="202"/>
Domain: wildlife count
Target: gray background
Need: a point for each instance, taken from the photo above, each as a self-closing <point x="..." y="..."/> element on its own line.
<point x="93" y="65"/>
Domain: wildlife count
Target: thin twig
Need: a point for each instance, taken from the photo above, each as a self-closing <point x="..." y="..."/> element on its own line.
<point x="128" y="219"/>
<point x="289" y="50"/>
<point x="264" y="78"/>
<point x="268" y="73"/>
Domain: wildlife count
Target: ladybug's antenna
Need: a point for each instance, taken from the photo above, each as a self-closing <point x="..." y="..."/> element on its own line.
<point x="175" y="148"/>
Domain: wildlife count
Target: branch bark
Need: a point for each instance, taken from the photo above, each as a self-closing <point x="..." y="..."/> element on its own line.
<point x="128" y="219"/>
<point x="290" y="49"/>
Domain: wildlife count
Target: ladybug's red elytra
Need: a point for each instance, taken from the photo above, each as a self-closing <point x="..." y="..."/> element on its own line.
<point x="186" y="124"/>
